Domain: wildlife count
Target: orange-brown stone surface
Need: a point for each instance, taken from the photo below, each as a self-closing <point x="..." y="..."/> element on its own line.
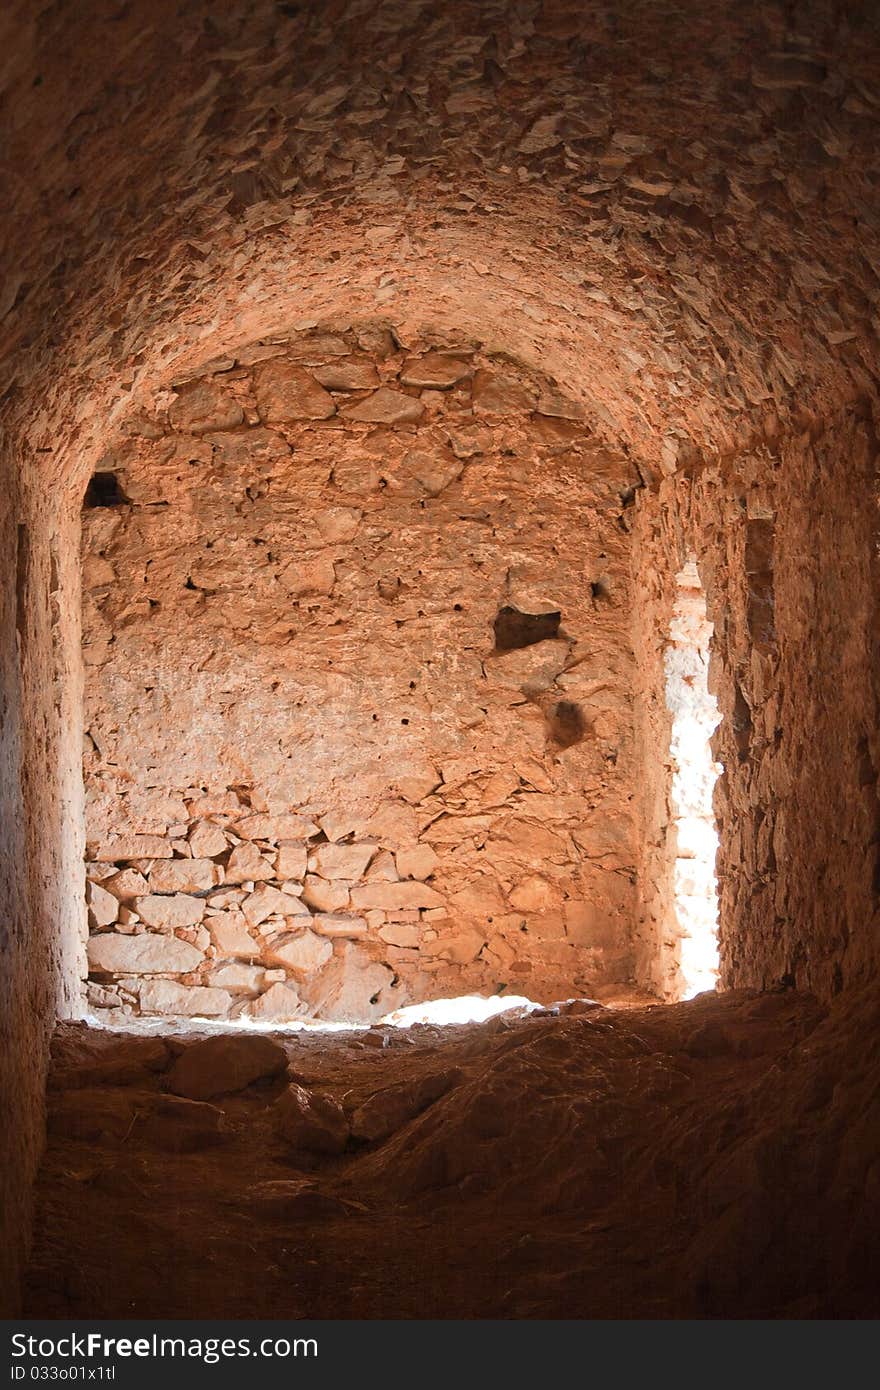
<point x="299" y="692"/>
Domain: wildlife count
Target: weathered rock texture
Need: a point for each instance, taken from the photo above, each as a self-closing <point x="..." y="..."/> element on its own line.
<point x="358" y="686"/>
<point x="786" y="545"/>
<point x="710" y="1159"/>
<point x="672" y="214"/>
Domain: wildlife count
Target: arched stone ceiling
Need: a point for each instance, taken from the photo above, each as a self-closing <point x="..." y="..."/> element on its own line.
<point x="670" y="207"/>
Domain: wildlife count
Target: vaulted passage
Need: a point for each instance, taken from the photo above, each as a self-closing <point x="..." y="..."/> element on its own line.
<point x="357" y="690"/>
<point x="439" y="563"/>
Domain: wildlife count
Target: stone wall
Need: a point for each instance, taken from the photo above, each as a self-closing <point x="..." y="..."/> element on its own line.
<point x="358" y="688"/>
<point x="23" y="1032"/>
<point x="42" y="925"/>
<point x="786" y="545"/>
<point x="689" y="244"/>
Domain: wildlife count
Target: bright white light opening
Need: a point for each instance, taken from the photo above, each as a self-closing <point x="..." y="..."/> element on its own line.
<point x="441" y="1013"/>
<point x="695" y="716"/>
<point x="466" y="1008"/>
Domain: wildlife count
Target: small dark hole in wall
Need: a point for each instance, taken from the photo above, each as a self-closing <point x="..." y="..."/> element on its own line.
<point x="104" y="491"/>
<point x="601" y="587"/>
<point x="515" y="629"/>
<point x="567" y="724"/>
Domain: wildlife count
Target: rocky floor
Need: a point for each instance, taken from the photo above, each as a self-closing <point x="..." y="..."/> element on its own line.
<point x="716" y="1158"/>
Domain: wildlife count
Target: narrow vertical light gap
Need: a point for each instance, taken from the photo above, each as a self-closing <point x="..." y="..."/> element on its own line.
<point x="695" y="716"/>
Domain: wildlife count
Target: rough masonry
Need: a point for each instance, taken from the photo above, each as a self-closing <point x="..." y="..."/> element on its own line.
<point x="358" y="687"/>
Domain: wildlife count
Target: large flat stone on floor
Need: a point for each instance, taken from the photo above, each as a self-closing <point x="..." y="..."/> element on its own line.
<point x="128" y="1116"/>
<point x="218" y="1066"/>
<point x="90" y="1057"/>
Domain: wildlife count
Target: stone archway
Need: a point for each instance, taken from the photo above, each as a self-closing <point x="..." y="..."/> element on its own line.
<point x="356" y="641"/>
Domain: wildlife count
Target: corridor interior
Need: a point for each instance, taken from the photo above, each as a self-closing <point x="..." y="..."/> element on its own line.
<point x="439" y="659"/>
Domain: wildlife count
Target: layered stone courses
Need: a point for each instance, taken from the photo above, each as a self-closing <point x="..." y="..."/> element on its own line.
<point x="675" y="217"/>
<point x="316" y="787"/>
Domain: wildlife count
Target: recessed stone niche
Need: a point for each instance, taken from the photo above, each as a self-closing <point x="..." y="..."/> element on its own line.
<point x="358" y="688"/>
